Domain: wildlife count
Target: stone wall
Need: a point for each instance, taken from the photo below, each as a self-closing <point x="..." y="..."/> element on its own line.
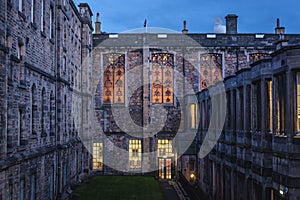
<point x="41" y="98"/>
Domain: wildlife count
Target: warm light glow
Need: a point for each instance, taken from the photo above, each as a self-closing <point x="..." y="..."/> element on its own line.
<point x="162" y="78"/>
<point x="298" y="102"/>
<point x="135" y="154"/>
<point x="164" y="148"/>
<point x="98" y="156"/>
<point x="114" y="78"/>
<point x="193" y="115"/>
<point x="192" y="176"/>
<point x="165" y="168"/>
<point x="210" y="70"/>
<point x="270" y="84"/>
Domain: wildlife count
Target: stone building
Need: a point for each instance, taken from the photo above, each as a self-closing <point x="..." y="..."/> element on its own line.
<point x="148" y="101"/>
<point x="245" y="81"/>
<point x="257" y="155"/>
<point x="43" y="83"/>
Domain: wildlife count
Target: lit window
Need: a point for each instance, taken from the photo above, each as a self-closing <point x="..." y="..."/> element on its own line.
<point x="114" y="79"/>
<point x="98" y="156"/>
<point x="162" y="78"/>
<point x="135" y="154"/>
<point x="164" y="148"/>
<point x="193" y="115"/>
<point x="256" y="56"/>
<point x="270" y="101"/>
<point x="280" y="104"/>
<point x="211" y="69"/>
<point x="298" y="103"/>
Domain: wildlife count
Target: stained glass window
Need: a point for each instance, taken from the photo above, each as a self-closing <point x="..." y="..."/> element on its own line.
<point x="114" y="79"/>
<point x="211" y="69"/>
<point x="162" y="78"/>
<point x="135" y="154"/>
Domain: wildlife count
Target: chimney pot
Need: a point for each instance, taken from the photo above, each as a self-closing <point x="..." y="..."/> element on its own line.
<point x="279" y="29"/>
<point x="184" y="30"/>
<point x="231" y="24"/>
<point x="98" y="24"/>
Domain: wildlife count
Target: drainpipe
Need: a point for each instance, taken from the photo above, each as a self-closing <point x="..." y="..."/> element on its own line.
<point x="57" y="177"/>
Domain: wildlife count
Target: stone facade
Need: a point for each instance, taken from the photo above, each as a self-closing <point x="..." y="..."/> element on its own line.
<point x="244" y="163"/>
<point x="255" y="157"/>
<point x="42" y="49"/>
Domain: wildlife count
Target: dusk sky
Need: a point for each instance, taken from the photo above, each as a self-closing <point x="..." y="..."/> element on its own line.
<point x="255" y="16"/>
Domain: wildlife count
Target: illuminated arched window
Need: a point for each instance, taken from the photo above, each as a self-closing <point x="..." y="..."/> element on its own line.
<point x="162" y="78"/>
<point x="211" y="69"/>
<point x="114" y="79"/>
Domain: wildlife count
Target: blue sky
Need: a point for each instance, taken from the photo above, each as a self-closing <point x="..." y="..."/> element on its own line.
<point x="255" y="16"/>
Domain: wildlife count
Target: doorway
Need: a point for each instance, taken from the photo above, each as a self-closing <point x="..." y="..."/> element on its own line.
<point x="165" y="168"/>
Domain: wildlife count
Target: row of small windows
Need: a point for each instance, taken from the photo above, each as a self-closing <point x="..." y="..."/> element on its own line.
<point x="164" y="149"/>
<point x="47" y="110"/>
<point x="259" y="106"/>
<point x="32" y="192"/>
<point x="42" y="14"/>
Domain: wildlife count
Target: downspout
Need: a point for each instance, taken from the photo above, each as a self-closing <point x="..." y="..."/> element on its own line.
<point x="55" y="96"/>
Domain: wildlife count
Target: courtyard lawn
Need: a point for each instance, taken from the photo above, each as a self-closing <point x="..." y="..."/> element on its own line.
<point x="119" y="188"/>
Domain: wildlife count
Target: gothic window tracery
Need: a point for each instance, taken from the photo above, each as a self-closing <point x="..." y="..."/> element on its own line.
<point x="114" y="79"/>
<point x="162" y="78"/>
<point x="211" y="69"/>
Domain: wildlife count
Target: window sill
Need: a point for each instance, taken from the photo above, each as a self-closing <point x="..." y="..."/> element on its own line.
<point x="33" y="25"/>
<point x="51" y="40"/>
<point x="21" y="15"/>
<point x="4" y="49"/>
<point x="21" y="148"/>
<point x="22" y="84"/>
<point x="43" y="34"/>
<point x="9" y="150"/>
<point x="43" y="135"/>
<point x="15" y="59"/>
<point x="33" y="137"/>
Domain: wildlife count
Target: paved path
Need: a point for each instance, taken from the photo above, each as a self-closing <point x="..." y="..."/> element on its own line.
<point x="168" y="190"/>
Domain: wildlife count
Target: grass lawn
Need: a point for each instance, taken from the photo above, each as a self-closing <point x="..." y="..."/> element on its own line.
<point x="119" y="188"/>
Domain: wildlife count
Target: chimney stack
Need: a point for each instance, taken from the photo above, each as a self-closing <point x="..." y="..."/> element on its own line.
<point x="231" y="24"/>
<point x="184" y="30"/>
<point x="279" y="29"/>
<point x="98" y="24"/>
